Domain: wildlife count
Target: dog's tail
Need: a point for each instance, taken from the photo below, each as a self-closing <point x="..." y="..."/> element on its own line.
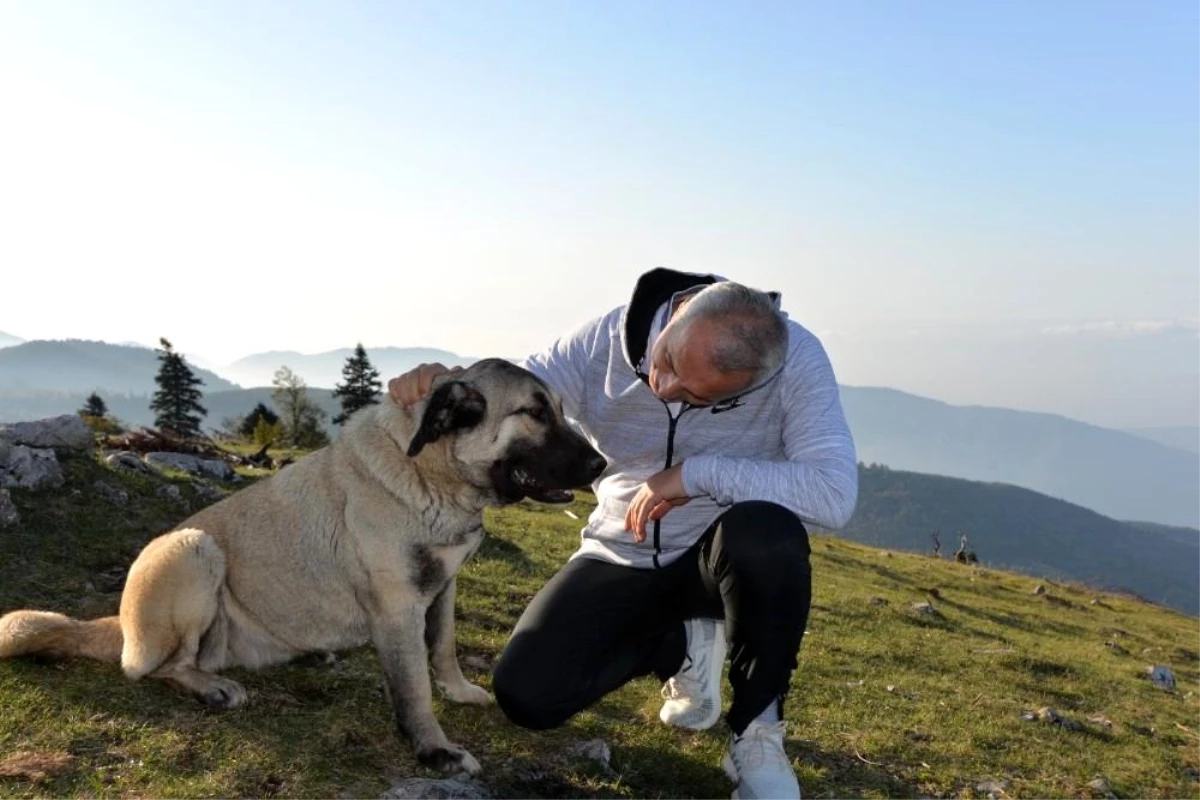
<point x="27" y="633"/>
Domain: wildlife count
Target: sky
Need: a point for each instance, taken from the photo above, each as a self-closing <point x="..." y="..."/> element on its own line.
<point x="983" y="203"/>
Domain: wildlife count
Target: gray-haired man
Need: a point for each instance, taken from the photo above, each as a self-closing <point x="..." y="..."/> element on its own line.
<point x="724" y="432"/>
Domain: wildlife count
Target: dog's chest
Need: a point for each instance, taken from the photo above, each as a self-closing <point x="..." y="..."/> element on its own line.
<point x="434" y="565"/>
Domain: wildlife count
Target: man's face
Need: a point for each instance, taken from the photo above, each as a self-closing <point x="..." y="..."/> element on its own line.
<point x="680" y="371"/>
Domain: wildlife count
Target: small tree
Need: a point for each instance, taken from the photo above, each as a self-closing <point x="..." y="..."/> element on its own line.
<point x="361" y="388"/>
<point x="95" y="414"/>
<point x="301" y="417"/>
<point x="249" y="423"/>
<point x="93" y="407"/>
<point x="176" y="404"/>
<point x="268" y="433"/>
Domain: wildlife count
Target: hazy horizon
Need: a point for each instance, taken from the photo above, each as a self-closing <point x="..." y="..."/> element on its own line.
<point x="982" y="204"/>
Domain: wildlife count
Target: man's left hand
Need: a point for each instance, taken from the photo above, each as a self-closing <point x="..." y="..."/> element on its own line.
<point x="658" y="495"/>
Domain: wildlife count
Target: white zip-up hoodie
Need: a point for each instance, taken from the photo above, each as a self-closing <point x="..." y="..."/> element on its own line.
<point x="785" y="441"/>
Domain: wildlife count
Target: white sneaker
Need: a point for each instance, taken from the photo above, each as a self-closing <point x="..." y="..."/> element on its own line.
<point x="758" y="764"/>
<point x="694" y="695"/>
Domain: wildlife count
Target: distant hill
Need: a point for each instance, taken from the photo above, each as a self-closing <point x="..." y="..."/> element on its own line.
<point x="134" y="409"/>
<point x="1112" y="472"/>
<point x="1014" y="528"/>
<point x="8" y="340"/>
<point x="325" y="369"/>
<point x="1183" y="437"/>
<point x="71" y="366"/>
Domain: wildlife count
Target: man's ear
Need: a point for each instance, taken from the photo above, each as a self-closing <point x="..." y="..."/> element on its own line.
<point x="453" y="406"/>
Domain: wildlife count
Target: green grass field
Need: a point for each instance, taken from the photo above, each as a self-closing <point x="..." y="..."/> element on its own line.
<point x="886" y="703"/>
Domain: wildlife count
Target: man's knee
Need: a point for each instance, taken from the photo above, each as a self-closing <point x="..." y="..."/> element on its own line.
<point x="761" y="532"/>
<point x="523" y="694"/>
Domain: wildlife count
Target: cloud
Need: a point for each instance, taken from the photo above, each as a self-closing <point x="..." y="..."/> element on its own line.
<point x="1126" y="329"/>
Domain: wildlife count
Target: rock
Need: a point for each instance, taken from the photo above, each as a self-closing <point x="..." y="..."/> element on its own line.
<point x="925" y="609"/>
<point x="32" y="468"/>
<point x="126" y="459"/>
<point x="1039" y="589"/>
<point x="1101" y="788"/>
<point x="1162" y="677"/>
<point x="992" y="789"/>
<point x="877" y="601"/>
<point x="207" y="493"/>
<point x="1116" y="648"/>
<point x="438" y="789"/>
<point x="118" y="497"/>
<point x="169" y="491"/>
<point x="596" y="749"/>
<point x="8" y="512"/>
<point x="1101" y="720"/>
<point x="1047" y="714"/>
<point x="5" y="453"/>
<point x="66" y="432"/>
<point x="193" y="465"/>
<point x="180" y="461"/>
<point x="477" y="662"/>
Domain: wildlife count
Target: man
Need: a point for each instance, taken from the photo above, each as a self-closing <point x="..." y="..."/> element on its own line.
<point x="725" y="436"/>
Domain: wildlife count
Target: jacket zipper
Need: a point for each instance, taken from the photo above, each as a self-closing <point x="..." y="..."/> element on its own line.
<point x="670" y="455"/>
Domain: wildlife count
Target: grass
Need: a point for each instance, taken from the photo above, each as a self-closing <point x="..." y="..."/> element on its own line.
<point x="886" y="702"/>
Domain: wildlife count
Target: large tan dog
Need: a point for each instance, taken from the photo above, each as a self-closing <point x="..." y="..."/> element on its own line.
<point x="357" y="542"/>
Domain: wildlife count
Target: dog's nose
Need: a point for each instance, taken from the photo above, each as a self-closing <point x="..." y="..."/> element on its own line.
<point x="596" y="464"/>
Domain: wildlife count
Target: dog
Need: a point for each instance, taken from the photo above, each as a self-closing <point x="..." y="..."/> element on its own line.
<point x="357" y="542"/>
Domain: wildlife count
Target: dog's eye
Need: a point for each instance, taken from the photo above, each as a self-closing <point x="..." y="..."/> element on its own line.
<point x="538" y="414"/>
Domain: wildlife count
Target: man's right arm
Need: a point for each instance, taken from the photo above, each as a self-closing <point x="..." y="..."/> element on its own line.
<point x="563" y="366"/>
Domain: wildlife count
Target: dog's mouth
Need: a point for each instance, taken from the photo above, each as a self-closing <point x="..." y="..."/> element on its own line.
<point x="534" y="489"/>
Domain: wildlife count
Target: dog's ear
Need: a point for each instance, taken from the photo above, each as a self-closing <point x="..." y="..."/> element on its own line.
<point x="453" y="406"/>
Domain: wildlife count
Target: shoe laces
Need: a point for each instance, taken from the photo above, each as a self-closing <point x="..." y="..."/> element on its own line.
<point x="681" y="687"/>
<point x="761" y="744"/>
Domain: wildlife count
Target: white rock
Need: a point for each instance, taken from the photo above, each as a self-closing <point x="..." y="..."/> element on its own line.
<point x="67" y="432"/>
<point x="8" y="512"/>
<point x="32" y="468"/>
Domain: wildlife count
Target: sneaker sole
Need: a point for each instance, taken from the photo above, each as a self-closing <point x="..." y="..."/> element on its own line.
<point x="716" y="664"/>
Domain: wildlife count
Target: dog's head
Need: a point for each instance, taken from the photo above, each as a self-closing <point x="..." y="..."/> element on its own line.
<point x="508" y="433"/>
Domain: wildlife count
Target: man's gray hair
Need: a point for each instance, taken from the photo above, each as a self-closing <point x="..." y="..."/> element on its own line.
<point x="755" y="335"/>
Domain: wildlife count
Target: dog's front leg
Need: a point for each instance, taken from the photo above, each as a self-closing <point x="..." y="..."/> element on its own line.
<point x="439" y="636"/>
<point x="398" y="631"/>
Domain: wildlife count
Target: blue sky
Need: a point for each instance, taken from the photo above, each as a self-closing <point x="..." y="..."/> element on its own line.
<point x="989" y="203"/>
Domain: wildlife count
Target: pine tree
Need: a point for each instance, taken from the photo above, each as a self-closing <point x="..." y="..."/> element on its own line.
<point x="249" y="423"/>
<point x="93" y="407"/>
<point x="176" y="404"/>
<point x="361" y="388"/>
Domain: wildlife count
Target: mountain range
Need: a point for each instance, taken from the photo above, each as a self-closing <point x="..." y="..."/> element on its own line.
<point x="1116" y="473"/>
<point x="1121" y="475"/>
<point x="325" y="369"/>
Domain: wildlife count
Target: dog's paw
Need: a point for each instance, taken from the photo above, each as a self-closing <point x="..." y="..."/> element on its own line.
<point x="464" y="692"/>
<point x="449" y="759"/>
<point x="224" y="693"/>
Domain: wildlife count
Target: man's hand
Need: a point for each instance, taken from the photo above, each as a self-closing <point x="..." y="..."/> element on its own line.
<point x="658" y="495"/>
<point x="412" y="386"/>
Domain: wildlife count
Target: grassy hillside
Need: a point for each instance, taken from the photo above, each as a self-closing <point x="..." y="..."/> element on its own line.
<point x="1011" y="527"/>
<point x="886" y="702"/>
